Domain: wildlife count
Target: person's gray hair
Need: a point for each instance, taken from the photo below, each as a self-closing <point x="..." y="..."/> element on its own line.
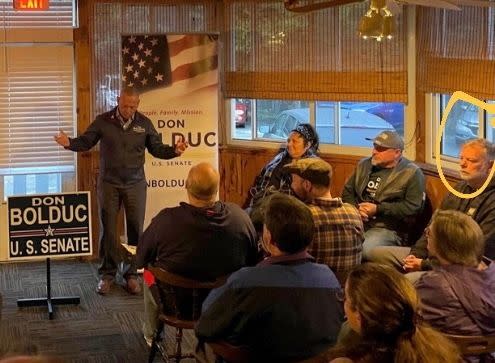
<point x="129" y="91"/>
<point x="458" y="238"/>
<point x="484" y="144"/>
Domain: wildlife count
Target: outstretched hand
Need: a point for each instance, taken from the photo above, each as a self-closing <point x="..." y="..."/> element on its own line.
<point x="181" y="146"/>
<point x="62" y="139"/>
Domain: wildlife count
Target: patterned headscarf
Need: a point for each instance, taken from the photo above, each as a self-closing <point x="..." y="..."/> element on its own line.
<point x="309" y="134"/>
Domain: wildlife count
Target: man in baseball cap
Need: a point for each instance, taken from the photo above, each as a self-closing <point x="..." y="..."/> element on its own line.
<point x="388" y="140"/>
<point x="386" y="188"/>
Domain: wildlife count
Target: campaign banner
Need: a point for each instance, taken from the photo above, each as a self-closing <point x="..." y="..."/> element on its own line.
<point x="177" y="77"/>
<point x="51" y="225"/>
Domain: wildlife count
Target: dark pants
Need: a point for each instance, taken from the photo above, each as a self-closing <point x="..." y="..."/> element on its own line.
<point x="110" y="198"/>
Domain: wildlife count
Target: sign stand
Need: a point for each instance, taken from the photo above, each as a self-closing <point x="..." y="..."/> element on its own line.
<point x="49" y="301"/>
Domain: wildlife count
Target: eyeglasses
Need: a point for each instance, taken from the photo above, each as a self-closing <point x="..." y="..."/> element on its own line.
<point x="427" y="232"/>
<point x="340" y="294"/>
<point x="380" y="148"/>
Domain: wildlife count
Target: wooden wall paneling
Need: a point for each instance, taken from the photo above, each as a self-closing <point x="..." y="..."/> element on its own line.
<point x="87" y="162"/>
<point x="239" y="167"/>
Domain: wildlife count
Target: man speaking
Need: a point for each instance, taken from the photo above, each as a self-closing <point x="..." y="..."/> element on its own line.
<point x="124" y="134"/>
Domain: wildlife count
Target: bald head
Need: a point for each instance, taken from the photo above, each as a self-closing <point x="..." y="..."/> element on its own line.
<point x="202" y="183"/>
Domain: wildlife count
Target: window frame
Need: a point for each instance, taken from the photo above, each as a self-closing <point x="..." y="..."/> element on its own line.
<point x="255" y="142"/>
<point x="432" y="121"/>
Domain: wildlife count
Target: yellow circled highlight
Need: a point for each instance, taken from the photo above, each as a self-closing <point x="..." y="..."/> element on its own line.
<point x="490" y="108"/>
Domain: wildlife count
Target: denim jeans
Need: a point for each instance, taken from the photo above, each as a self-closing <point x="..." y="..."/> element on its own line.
<point x="375" y="237"/>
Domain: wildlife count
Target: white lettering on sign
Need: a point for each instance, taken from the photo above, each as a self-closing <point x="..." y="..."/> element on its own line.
<point x="64" y="245"/>
<point x="52" y="214"/>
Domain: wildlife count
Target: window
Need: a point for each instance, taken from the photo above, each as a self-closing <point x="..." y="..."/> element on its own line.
<point x="465" y="121"/>
<point x="341" y="123"/>
<point x="36" y="99"/>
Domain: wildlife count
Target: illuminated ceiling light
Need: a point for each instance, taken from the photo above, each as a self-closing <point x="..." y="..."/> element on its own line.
<point x="378" y="22"/>
<point x="388" y="26"/>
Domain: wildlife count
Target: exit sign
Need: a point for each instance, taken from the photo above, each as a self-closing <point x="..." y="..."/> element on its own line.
<point x="31" y="4"/>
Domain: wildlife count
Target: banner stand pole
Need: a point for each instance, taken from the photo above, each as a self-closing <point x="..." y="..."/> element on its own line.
<point x="49" y="301"/>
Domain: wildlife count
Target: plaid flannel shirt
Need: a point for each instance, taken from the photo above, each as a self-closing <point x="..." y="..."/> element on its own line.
<point x="338" y="241"/>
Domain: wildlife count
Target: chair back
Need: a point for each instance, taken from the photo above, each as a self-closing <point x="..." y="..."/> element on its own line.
<point x="477" y="345"/>
<point x="184" y="282"/>
<point x="176" y="313"/>
<point x="172" y="315"/>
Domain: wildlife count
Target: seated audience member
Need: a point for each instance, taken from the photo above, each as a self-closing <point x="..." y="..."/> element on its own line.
<point x="385" y="188"/>
<point x="302" y="143"/>
<point x="475" y="161"/>
<point x="458" y="296"/>
<point x="381" y="306"/>
<point x="338" y="240"/>
<point x="284" y="309"/>
<point x="202" y="240"/>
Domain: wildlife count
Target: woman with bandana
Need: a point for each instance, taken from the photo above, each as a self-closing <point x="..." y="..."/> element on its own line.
<point x="303" y="142"/>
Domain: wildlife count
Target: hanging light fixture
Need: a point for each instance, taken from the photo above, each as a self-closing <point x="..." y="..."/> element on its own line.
<point x="378" y="22"/>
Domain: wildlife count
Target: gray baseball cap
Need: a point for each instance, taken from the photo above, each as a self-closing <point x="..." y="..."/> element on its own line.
<point x="389" y="140"/>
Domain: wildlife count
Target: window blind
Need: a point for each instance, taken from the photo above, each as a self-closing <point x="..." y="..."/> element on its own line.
<point x="456" y="51"/>
<point x="36" y="100"/>
<point x="36" y="87"/>
<point x="275" y="54"/>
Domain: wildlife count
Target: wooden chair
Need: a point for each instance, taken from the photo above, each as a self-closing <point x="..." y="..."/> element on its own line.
<point x="179" y="324"/>
<point x="479" y="346"/>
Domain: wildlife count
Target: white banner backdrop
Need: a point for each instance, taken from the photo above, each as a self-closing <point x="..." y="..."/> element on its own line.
<point x="178" y="78"/>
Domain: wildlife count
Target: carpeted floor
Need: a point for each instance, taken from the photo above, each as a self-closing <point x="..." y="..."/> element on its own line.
<point x="102" y="329"/>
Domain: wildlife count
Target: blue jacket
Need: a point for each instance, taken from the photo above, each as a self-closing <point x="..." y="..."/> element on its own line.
<point x="284" y="310"/>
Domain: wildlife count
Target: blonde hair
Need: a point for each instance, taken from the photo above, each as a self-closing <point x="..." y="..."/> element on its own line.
<point x="457" y="238"/>
<point x="391" y="330"/>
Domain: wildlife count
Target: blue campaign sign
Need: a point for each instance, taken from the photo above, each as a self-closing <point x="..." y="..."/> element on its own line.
<point x="51" y="225"/>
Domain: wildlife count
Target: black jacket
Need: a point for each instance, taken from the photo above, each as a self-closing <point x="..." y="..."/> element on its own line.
<point x="401" y="195"/>
<point x="122" y="152"/>
<point x="199" y="243"/>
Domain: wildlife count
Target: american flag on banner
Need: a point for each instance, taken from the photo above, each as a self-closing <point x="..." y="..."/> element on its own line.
<point x="155" y="61"/>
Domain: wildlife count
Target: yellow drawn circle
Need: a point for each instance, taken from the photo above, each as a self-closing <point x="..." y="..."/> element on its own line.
<point x="456" y="97"/>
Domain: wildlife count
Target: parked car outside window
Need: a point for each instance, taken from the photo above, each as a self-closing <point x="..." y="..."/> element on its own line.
<point x="355" y="125"/>
<point x="242" y="112"/>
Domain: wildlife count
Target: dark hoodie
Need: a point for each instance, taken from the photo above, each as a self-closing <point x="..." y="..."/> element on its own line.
<point x="199" y="243"/>
<point x="459" y="300"/>
<point x="480" y="208"/>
